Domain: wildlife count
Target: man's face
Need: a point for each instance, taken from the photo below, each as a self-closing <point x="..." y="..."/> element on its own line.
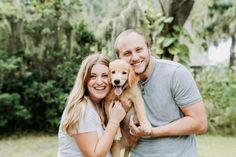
<point x="133" y="49"/>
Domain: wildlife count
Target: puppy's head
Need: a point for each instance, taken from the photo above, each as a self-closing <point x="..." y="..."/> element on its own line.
<point x="122" y="76"/>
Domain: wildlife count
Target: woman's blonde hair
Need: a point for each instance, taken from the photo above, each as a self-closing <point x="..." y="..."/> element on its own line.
<point x="77" y="100"/>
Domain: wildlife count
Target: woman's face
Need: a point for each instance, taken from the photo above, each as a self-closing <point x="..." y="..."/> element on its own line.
<point x="98" y="84"/>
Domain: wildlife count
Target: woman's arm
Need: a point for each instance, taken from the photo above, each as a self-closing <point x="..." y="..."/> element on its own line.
<point x="93" y="146"/>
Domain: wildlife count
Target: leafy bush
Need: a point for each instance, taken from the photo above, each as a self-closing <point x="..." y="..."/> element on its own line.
<point x="12" y="112"/>
<point x="37" y="74"/>
<point x="218" y="87"/>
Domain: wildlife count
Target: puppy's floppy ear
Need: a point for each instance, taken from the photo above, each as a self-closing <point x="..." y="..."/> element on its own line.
<point x="133" y="77"/>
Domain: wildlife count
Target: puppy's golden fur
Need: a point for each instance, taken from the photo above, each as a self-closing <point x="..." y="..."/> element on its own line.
<point x="124" y="86"/>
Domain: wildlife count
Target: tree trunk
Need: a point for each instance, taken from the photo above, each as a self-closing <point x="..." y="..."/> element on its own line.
<point x="232" y="52"/>
<point x="179" y="10"/>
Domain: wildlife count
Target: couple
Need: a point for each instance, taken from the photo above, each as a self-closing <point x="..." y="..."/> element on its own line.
<point x="173" y="106"/>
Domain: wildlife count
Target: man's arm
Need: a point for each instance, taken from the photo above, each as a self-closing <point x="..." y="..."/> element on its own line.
<point x="193" y="122"/>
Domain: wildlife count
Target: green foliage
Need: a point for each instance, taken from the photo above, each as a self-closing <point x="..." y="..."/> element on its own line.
<point x="12" y="112"/>
<point x="166" y="40"/>
<point x="218" y="88"/>
<point x="212" y="21"/>
<point x="97" y="11"/>
<point x="39" y="60"/>
<point x="131" y="17"/>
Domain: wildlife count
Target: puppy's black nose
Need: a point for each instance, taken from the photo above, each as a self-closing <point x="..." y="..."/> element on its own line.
<point x="116" y="81"/>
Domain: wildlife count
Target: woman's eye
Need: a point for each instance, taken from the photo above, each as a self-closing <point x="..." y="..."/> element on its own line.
<point x="124" y="72"/>
<point x="92" y="76"/>
<point x="105" y="75"/>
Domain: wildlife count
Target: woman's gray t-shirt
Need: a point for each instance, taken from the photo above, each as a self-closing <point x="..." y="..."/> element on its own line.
<point x="67" y="146"/>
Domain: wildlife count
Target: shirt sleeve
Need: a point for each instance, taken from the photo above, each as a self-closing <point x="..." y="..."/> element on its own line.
<point x="89" y="122"/>
<point x="184" y="88"/>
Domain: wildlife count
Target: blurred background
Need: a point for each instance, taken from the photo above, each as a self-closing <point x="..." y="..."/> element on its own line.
<point x="42" y="44"/>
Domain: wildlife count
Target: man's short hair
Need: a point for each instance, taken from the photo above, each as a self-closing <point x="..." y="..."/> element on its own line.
<point x="126" y="32"/>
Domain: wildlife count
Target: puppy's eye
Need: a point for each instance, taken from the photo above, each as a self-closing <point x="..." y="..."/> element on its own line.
<point x="113" y="72"/>
<point x="124" y="72"/>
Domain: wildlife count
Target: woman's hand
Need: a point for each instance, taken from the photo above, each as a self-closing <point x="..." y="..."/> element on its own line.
<point x="126" y="103"/>
<point x="116" y="112"/>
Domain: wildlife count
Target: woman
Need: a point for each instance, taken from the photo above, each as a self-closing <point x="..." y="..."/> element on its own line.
<point x="82" y="131"/>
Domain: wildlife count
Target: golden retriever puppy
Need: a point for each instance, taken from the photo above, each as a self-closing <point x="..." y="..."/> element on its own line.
<point x="124" y="87"/>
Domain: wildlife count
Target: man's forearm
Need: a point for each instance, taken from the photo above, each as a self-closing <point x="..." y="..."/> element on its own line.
<point x="184" y="126"/>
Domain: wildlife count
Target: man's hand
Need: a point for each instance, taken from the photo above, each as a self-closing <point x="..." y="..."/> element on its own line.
<point x="134" y="130"/>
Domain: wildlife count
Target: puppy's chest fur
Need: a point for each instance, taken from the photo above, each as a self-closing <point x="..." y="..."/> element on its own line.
<point x="130" y="94"/>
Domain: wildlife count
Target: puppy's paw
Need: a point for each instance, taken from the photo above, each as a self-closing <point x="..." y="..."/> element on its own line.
<point x="147" y="128"/>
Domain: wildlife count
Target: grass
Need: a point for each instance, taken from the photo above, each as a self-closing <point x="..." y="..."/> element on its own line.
<point x="216" y="146"/>
<point x="46" y="146"/>
<point x="29" y="146"/>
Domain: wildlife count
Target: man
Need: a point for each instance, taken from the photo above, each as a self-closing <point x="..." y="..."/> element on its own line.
<point x="174" y="105"/>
